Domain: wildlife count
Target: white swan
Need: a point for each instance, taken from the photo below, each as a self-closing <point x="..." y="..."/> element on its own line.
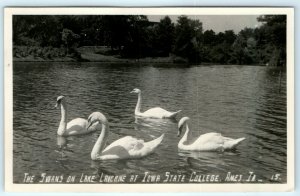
<point x="74" y="127"/>
<point x="124" y="148"/>
<point x="205" y="142"/>
<point x="156" y="112"/>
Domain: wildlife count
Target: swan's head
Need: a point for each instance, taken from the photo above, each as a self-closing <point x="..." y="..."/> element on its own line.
<point x="96" y="117"/>
<point x="59" y="100"/>
<point x="136" y="90"/>
<point x="181" y="123"/>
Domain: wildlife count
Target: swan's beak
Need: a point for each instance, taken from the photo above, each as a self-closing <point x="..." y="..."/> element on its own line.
<point x="90" y="123"/>
<point x="57" y="103"/>
<point x="131" y="91"/>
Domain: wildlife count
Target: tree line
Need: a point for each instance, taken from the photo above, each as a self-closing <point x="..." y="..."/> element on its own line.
<point x="134" y="36"/>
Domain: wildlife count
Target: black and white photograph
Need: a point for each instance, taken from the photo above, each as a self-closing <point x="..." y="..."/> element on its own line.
<point x="170" y="99"/>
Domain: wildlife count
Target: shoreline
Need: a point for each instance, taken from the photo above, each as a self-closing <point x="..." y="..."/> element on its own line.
<point x="96" y="54"/>
<point x="83" y="54"/>
<point x="142" y="60"/>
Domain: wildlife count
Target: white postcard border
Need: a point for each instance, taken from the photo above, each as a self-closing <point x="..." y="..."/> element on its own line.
<point x="8" y="102"/>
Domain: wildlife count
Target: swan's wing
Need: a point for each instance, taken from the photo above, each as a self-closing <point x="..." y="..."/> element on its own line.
<point x="157" y="112"/>
<point x="76" y="126"/>
<point x="127" y="143"/>
<point x="122" y="148"/>
<point x="215" y="141"/>
<point x="209" y="137"/>
<point x="129" y="147"/>
<point x="230" y="143"/>
<point x="141" y="150"/>
<point x="76" y="123"/>
<point x="208" y="141"/>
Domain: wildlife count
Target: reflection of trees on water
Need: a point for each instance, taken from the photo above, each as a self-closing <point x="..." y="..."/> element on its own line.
<point x="268" y="138"/>
<point x="271" y="110"/>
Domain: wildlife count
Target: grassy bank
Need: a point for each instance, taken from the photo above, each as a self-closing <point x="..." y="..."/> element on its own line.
<point x="36" y="53"/>
<point x="87" y="54"/>
<point x="84" y="53"/>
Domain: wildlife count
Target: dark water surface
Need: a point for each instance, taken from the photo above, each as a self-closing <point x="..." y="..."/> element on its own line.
<point x="237" y="101"/>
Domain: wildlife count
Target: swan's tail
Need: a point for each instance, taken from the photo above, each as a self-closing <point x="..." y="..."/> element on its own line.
<point x="234" y="143"/>
<point x="174" y="114"/>
<point x="154" y="143"/>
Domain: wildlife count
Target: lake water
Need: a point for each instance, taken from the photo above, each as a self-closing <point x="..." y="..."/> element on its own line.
<point x="237" y="101"/>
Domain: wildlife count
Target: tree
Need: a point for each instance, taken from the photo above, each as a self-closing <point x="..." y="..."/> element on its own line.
<point x="229" y="37"/>
<point x="188" y="39"/>
<point x="165" y="36"/>
<point x="274" y="26"/>
<point x="244" y="47"/>
<point x="36" y="30"/>
<point x="69" y="38"/>
<point x="136" y="45"/>
<point x="209" y="38"/>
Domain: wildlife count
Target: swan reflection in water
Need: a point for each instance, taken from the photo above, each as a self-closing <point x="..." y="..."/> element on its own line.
<point x="64" y="148"/>
<point x="153" y="121"/>
<point x="103" y="173"/>
<point x="61" y="142"/>
<point x="153" y="125"/>
<point x="209" y="160"/>
<point x="103" y="167"/>
<point x="64" y="151"/>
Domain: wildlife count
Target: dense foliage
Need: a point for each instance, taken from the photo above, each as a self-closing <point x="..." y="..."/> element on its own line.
<point x="134" y="36"/>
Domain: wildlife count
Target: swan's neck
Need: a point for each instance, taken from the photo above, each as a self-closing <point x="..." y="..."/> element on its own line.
<point x="101" y="141"/>
<point x="138" y="104"/>
<point x="63" y="121"/>
<point x="185" y="136"/>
